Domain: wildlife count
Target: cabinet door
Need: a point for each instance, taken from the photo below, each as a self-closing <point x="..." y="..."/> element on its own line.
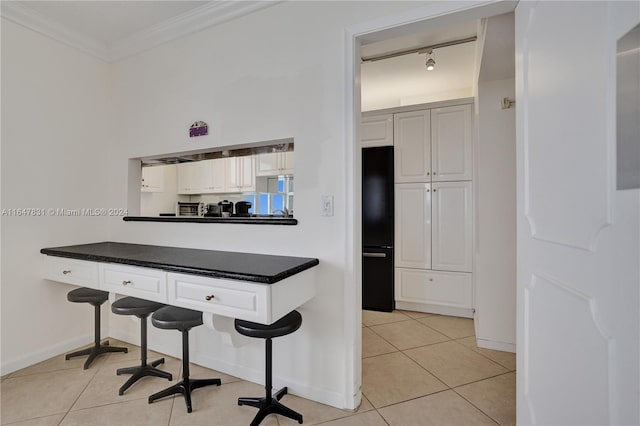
<point x="412" y="141"/>
<point x="240" y="174"/>
<point x="247" y="178"/>
<point x="287" y="165"/>
<point x="185" y="175"/>
<point x="268" y="164"/>
<point x="377" y="130"/>
<point x="451" y="143"/>
<point x="218" y="174"/>
<point x="452" y="226"/>
<point x="153" y="179"/>
<point x="413" y="225"/>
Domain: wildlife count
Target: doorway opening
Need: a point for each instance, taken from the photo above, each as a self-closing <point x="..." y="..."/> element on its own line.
<point x="397" y="339"/>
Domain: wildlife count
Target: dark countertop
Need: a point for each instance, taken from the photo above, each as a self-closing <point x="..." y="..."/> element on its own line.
<point x="197" y="219"/>
<point x="259" y="268"/>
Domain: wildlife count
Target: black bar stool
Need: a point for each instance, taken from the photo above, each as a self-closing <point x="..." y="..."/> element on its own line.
<point x="96" y="298"/>
<point x="270" y="404"/>
<point x="142" y="309"/>
<point x="174" y="318"/>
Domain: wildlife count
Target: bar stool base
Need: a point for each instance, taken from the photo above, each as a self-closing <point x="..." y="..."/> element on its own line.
<point x="184" y="387"/>
<point x="94" y="351"/>
<point x="270" y="405"/>
<point x="141" y="371"/>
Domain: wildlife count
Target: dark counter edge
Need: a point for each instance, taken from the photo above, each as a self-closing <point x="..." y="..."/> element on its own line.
<point x="235" y="220"/>
<point x="173" y="268"/>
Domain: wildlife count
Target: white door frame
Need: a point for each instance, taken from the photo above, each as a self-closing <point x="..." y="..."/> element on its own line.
<point x="442" y="12"/>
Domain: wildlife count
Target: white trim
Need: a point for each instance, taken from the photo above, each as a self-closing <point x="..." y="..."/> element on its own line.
<point x="495" y="345"/>
<point x="435" y="309"/>
<point x="208" y="15"/>
<point x="418" y="107"/>
<point x="353" y="278"/>
<point x="45" y="353"/>
<point x="194" y="20"/>
<point x="20" y="14"/>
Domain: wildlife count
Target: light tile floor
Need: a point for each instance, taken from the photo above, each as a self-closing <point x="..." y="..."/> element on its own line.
<point x="418" y="369"/>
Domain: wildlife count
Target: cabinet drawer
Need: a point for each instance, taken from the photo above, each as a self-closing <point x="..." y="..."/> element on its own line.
<point x="72" y="271"/>
<point x="236" y="299"/>
<point x="440" y="288"/>
<point x="145" y="283"/>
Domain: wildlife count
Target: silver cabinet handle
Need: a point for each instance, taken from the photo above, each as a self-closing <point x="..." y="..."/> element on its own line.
<point x="66" y="271"/>
<point x="374" y="254"/>
<point x="211" y="296"/>
<point x="126" y="282"/>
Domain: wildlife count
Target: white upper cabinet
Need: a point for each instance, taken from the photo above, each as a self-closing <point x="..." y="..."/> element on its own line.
<point x="413" y="225"/>
<point x="377" y="130"/>
<point x="240" y="174"/>
<point x="452" y="231"/>
<point x="412" y="146"/>
<point x="186" y="178"/>
<point x="202" y="177"/>
<point x="152" y="179"/>
<point x="451" y="143"/>
<point x="217" y="170"/>
<point x="277" y="163"/>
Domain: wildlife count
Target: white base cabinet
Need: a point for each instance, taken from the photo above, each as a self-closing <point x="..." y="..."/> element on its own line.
<point x="452" y="290"/>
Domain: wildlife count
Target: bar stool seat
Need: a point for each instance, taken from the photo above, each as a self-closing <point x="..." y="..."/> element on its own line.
<point x="270" y="403"/>
<point x="95" y="298"/>
<point x="183" y="320"/>
<point x="142" y="309"/>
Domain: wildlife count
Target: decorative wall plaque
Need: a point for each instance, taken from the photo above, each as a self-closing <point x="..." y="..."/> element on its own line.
<point x="199" y="128"/>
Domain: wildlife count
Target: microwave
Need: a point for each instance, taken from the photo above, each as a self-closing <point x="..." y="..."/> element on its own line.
<point x="189" y="209"/>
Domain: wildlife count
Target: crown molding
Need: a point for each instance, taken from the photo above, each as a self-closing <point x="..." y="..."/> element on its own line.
<point x="20" y="14"/>
<point x="210" y="14"/>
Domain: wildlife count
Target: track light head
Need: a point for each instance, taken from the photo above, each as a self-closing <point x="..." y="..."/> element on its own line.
<point x="431" y="63"/>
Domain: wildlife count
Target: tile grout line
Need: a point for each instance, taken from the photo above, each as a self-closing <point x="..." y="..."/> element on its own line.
<point x="78" y="397"/>
<point x="480" y="353"/>
<point x="474" y="405"/>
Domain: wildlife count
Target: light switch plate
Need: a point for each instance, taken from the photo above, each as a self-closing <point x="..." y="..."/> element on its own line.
<point x="326" y="209"/>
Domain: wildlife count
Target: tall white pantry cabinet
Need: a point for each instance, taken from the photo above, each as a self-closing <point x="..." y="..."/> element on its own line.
<point x="433" y="152"/>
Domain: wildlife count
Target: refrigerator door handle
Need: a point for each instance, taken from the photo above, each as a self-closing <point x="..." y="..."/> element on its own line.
<point x="365" y="254"/>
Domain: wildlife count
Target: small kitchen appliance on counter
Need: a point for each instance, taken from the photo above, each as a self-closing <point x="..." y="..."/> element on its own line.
<point x="242" y="209"/>
<point x="189" y="209"/>
<point x="226" y="208"/>
<point x="213" y="210"/>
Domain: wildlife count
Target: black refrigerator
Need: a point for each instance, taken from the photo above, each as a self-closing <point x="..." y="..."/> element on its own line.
<point x="377" y="229"/>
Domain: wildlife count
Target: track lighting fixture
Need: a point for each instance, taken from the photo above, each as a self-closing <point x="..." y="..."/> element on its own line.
<point x="431" y="63"/>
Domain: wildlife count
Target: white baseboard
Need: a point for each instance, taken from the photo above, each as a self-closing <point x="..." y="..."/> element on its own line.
<point x="495" y="345"/>
<point x="435" y="309"/>
<point x="313" y="393"/>
<point x="35" y="357"/>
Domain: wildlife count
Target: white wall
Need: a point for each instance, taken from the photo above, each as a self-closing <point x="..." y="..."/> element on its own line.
<point x="275" y="74"/>
<point x="495" y="245"/>
<point x="56" y="125"/>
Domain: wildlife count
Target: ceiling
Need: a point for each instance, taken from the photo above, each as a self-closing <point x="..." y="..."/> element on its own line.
<point x="404" y="80"/>
<point x="112" y="30"/>
<point x="110" y="21"/>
